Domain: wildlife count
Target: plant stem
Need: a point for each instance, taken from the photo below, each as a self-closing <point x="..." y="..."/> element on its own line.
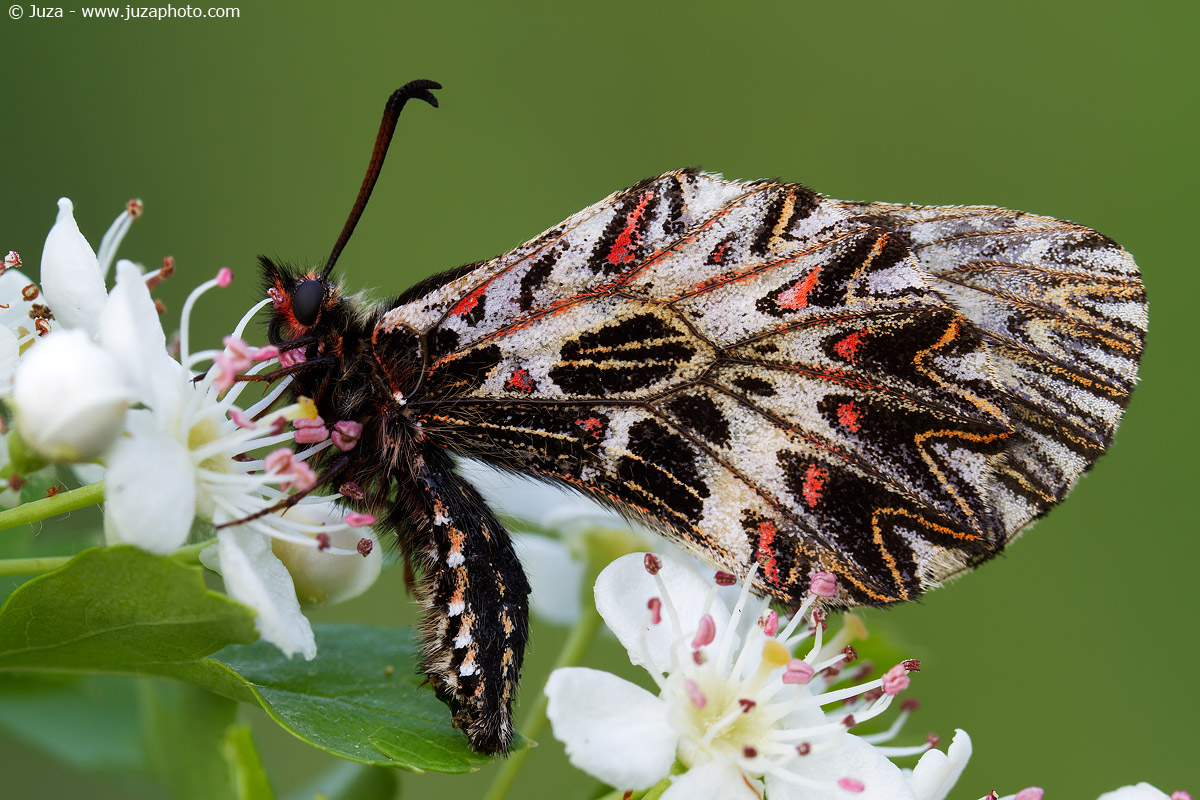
<point x="31" y="566"/>
<point x="535" y="718"/>
<point x="61" y="503"/>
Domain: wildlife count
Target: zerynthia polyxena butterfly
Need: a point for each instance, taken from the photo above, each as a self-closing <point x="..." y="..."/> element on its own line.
<point x="889" y="393"/>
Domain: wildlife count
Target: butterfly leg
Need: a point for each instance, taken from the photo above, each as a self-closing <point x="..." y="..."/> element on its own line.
<point x="475" y="597"/>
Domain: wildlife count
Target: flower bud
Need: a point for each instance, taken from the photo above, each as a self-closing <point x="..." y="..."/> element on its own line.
<point x="322" y="577"/>
<point x="70" y="398"/>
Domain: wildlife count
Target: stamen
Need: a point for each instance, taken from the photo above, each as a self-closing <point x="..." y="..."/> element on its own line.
<point x="694" y="694"/>
<point x="895" y="680"/>
<point x="322" y="541"/>
<point x="352" y="490"/>
<point x="798" y="672"/>
<point x="290" y="358"/>
<point x="803" y="749"/>
<point x="346" y="434"/>
<point x="706" y="633"/>
<point x="652" y="563"/>
<point x="770" y="623"/>
<point x="655" y="606"/>
<point x="749" y="752"/>
<point x="823" y="584"/>
<point x="851" y="785"/>
<point x="224" y="277"/>
<point x="1030" y="793"/>
<point x="310" y="431"/>
<point x="115" y="233"/>
<point x="356" y="520"/>
<point x="724" y="578"/>
<point x="12" y="260"/>
<point x="365" y="546"/>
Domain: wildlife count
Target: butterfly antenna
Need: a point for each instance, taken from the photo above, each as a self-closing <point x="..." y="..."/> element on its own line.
<point x="387" y="126"/>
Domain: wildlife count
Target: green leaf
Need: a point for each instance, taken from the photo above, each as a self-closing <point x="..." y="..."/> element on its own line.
<point x="118" y="610"/>
<point x="90" y="723"/>
<point x="360" y="699"/>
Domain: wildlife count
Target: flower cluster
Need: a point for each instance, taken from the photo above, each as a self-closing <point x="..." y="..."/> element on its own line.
<point x="734" y="707"/>
<point x="102" y="384"/>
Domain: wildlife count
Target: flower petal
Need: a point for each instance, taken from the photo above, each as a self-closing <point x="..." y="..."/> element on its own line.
<point x="10" y="352"/>
<point x="71" y="278"/>
<point x="150" y="492"/>
<point x="129" y="328"/>
<point x="612" y="729"/>
<point x="254" y="576"/>
<point x="936" y="773"/>
<point x="832" y="759"/>
<point x="623" y="590"/>
<point x="713" y="780"/>
<point x="556" y="578"/>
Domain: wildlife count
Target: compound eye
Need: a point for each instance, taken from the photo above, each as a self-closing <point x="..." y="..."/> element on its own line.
<point x="306" y="301"/>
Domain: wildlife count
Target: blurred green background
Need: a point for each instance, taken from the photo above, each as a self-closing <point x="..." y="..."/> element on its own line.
<point x="1070" y="660"/>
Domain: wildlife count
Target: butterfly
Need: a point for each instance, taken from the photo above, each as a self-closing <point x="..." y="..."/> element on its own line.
<point x="890" y="393"/>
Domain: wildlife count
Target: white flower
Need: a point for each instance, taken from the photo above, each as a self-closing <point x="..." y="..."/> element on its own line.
<point x="72" y="274"/>
<point x="22" y="319"/>
<point x="1143" y="791"/>
<point x="733" y="706"/>
<point x="186" y="455"/>
<point x="70" y="398"/>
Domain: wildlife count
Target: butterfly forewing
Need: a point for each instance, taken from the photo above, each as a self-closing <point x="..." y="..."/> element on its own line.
<point x="766" y="375"/>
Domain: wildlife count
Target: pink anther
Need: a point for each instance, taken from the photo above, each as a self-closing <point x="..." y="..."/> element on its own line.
<point x="655" y="606"/>
<point x="346" y="434"/>
<point x="823" y="584"/>
<point x="851" y="785"/>
<point x="706" y="633"/>
<point x="895" y="680"/>
<point x="310" y="431"/>
<point x="798" y="672"/>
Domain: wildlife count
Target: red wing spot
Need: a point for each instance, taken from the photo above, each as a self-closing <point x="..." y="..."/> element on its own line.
<point x="519" y="381"/>
<point x="814" y="484"/>
<point x="591" y="425"/>
<point x="796" y="295"/>
<point x="766" y="553"/>
<point x="847" y="347"/>
<point x="468" y="303"/>
<point x="718" y="253"/>
<point x="848" y="416"/>
<point x="622" y="249"/>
